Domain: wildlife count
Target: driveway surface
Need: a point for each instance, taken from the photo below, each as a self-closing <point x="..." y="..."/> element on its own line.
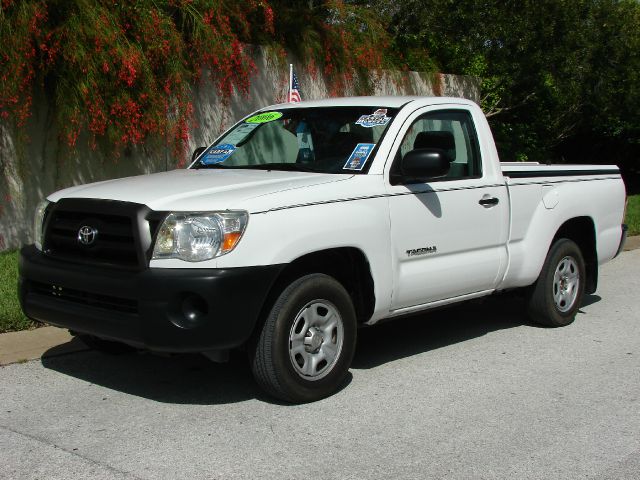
<point x="471" y="392"/>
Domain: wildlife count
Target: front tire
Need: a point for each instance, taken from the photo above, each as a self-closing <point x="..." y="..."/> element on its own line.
<point x="307" y="342"/>
<point x="557" y="295"/>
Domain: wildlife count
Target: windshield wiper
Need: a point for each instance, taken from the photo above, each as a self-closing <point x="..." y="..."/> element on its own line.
<point x="210" y="165"/>
<point x="289" y="167"/>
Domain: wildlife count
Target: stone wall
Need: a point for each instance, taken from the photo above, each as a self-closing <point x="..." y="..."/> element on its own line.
<point x="35" y="163"/>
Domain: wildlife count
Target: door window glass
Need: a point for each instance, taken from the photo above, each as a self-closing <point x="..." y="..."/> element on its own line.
<point x="451" y="131"/>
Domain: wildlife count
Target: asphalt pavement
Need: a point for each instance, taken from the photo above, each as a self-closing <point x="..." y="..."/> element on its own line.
<point x="470" y="392"/>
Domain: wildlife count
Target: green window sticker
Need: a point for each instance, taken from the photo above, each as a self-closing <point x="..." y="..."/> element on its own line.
<point x="264" y="117"/>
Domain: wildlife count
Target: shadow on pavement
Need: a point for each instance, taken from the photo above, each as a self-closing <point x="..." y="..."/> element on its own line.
<point x="423" y="332"/>
<point x="590" y="300"/>
<point x="193" y="379"/>
<point x="179" y="379"/>
<point x="75" y="345"/>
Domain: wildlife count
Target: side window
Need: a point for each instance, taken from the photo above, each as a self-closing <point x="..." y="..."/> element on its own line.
<point x="451" y="131"/>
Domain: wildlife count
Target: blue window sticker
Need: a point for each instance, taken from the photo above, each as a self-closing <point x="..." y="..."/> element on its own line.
<point x="218" y="153"/>
<point x="376" y="119"/>
<point x="359" y="156"/>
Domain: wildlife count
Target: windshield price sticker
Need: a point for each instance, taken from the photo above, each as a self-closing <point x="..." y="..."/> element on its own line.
<point x="377" y="118"/>
<point x="359" y="156"/>
<point x="218" y="154"/>
<point x="264" y="117"/>
<point x="240" y="133"/>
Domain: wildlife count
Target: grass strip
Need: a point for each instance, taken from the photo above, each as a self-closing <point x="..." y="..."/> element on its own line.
<point x="11" y="316"/>
<point x="633" y="215"/>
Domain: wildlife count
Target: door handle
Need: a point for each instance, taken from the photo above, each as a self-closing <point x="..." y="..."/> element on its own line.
<point x="489" y="201"/>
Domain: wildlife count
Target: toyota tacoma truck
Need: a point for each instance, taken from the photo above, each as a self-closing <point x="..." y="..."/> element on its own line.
<point x="305" y="221"/>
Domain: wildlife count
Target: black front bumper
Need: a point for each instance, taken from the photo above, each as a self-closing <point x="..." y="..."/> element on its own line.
<point x="162" y="309"/>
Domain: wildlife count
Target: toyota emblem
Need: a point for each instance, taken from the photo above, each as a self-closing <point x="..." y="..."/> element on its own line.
<point x="87" y="235"/>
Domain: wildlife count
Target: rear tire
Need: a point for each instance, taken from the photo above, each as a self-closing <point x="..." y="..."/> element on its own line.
<point x="557" y="295"/>
<point x="306" y="345"/>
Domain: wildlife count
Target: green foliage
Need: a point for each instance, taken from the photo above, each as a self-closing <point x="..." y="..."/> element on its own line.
<point x="345" y="41"/>
<point x="555" y="73"/>
<point x="632" y="218"/>
<point x="11" y="316"/>
<point x="122" y="71"/>
<point x="560" y="78"/>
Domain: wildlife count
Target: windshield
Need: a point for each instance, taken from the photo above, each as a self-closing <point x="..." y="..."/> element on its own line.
<point x="325" y="140"/>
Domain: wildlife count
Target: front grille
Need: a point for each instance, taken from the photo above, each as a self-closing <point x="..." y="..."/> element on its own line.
<point x="116" y="241"/>
<point x="105" y="302"/>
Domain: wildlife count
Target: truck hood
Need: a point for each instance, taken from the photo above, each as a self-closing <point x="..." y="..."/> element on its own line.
<point x="197" y="190"/>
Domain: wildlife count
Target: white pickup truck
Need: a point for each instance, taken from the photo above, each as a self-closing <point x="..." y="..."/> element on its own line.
<point x="303" y="222"/>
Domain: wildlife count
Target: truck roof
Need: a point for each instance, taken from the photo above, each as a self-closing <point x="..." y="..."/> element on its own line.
<point x="388" y="101"/>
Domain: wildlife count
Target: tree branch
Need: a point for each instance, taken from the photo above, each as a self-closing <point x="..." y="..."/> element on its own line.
<point x="498" y="110"/>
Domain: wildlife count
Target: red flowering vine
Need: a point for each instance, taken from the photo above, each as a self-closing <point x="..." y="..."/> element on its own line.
<point x="123" y="71"/>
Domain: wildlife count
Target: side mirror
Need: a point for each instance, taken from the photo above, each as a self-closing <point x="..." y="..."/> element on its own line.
<point x="197" y="152"/>
<point x="423" y="163"/>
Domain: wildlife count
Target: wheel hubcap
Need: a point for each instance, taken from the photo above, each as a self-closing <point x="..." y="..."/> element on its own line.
<point x="566" y="282"/>
<point x="315" y="339"/>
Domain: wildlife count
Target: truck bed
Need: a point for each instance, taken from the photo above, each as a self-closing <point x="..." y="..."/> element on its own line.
<point x="541" y="198"/>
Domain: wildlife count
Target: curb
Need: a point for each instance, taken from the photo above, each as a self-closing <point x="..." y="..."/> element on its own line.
<point x="632" y="243"/>
<point x="17" y="347"/>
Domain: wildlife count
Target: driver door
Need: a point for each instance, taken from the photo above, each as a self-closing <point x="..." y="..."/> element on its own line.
<point x="448" y="234"/>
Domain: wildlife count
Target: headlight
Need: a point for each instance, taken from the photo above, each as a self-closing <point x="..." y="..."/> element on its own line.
<point x="195" y="237"/>
<point x="38" y="221"/>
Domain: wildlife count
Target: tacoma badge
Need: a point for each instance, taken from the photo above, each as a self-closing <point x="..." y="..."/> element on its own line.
<point x="421" y="251"/>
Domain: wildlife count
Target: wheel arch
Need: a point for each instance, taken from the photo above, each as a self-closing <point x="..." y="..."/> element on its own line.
<point x="582" y="231"/>
<point x="348" y="265"/>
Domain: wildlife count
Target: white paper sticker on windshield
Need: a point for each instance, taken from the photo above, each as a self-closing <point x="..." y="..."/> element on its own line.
<point x="377" y="118"/>
<point x="359" y="156"/>
<point x="240" y="133"/>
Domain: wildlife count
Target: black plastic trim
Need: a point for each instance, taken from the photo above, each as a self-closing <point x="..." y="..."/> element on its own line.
<point x="134" y="253"/>
<point x="151" y="311"/>
<point x="623" y="239"/>
<point x="557" y="173"/>
<point x="489" y="201"/>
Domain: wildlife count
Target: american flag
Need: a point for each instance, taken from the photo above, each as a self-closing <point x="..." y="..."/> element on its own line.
<point x="294" y="91"/>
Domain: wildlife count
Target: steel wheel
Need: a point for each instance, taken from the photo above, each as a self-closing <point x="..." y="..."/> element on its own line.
<point x="566" y="283"/>
<point x="557" y="294"/>
<point x="315" y="339"/>
<point x="307" y="341"/>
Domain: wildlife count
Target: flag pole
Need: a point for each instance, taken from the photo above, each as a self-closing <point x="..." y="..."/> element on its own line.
<point x="290" y="82"/>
